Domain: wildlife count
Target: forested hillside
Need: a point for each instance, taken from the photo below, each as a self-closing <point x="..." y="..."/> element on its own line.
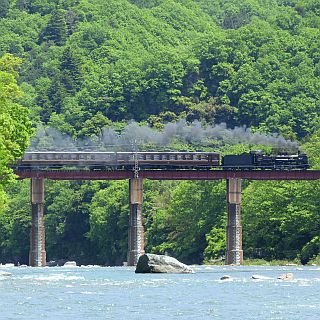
<point x="86" y="66"/>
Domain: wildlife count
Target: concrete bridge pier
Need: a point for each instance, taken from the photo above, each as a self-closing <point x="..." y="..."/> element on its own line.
<point x="37" y="253"/>
<point x="136" y="230"/>
<point x="234" y="254"/>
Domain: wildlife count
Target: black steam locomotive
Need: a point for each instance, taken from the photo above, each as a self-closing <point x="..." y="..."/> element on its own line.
<point x="260" y="160"/>
<point x="255" y="160"/>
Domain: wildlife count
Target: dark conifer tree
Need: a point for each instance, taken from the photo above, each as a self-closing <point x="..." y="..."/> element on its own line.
<point x="56" y="29"/>
<point x="23" y="4"/>
<point x="71" y="75"/>
<point x="4" y="8"/>
<point x="71" y="21"/>
<point x="57" y="93"/>
<point x="53" y="101"/>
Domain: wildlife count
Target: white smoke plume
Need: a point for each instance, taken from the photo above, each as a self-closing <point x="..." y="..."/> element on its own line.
<point x="134" y="135"/>
<point x="194" y="133"/>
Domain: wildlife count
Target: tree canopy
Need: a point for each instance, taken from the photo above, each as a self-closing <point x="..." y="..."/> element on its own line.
<point x="15" y="126"/>
<point x="87" y="66"/>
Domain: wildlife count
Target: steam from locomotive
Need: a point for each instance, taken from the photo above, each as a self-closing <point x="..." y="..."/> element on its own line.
<point x="134" y="135"/>
<point x="58" y="150"/>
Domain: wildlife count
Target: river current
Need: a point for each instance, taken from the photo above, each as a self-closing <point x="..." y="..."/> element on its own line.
<point x="119" y="293"/>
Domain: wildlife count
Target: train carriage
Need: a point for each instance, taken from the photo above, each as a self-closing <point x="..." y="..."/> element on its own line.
<point x="120" y="160"/>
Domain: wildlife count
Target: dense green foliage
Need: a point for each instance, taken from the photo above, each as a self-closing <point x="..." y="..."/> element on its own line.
<point x="15" y="126"/>
<point x="91" y="64"/>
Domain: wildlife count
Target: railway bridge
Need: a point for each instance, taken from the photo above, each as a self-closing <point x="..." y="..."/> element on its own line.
<point x="37" y="170"/>
<point x="234" y="252"/>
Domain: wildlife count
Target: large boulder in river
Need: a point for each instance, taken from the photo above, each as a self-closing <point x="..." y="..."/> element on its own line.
<point x="153" y="263"/>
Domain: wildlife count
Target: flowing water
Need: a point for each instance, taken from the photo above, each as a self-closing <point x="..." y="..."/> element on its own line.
<point x="119" y="293"/>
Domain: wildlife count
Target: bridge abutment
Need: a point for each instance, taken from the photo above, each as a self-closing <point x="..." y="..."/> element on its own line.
<point x="37" y="253"/>
<point x="136" y="230"/>
<point x="234" y="253"/>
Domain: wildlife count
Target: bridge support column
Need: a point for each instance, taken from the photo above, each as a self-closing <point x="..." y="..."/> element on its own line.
<point x="136" y="230"/>
<point x="37" y="253"/>
<point x="234" y="254"/>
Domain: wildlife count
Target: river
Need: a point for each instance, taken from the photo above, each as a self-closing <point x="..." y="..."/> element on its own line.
<point x="119" y="293"/>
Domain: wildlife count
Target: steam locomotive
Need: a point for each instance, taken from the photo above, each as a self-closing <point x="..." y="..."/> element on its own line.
<point x="255" y="160"/>
<point x="260" y="160"/>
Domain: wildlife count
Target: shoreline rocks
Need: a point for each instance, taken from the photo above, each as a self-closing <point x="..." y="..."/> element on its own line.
<point x="69" y="264"/>
<point x="7" y="265"/>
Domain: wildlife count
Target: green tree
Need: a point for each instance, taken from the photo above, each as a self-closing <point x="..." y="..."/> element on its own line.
<point x="216" y="247"/>
<point x="109" y="216"/>
<point x="15" y="126"/>
<point x="195" y="209"/>
<point x="71" y="74"/>
<point x="23" y="4"/>
<point x="278" y="221"/>
<point x="67" y="221"/>
<point x="4" y="8"/>
<point x="56" y="94"/>
<point x="56" y="29"/>
<point x="15" y="223"/>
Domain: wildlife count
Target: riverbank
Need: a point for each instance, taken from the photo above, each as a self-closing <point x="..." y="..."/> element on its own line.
<point x="262" y="262"/>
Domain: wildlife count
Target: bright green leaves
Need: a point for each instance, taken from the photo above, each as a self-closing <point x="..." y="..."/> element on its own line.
<point x="311" y="250"/>
<point x="109" y="217"/>
<point x="89" y="64"/>
<point x="216" y="247"/>
<point x="15" y="222"/>
<point x="180" y="219"/>
<point x="139" y="59"/>
<point x="67" y="220"/>
<point x="312" y="148"/>
<point x="280" y="218"/>
<point x="15" y="126"/>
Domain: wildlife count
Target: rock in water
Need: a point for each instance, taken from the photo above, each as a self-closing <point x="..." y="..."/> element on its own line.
<point x="4" y="274"/>
<point x="52" y="263"/>
<point x="286" y="276"/>
<point x="70" y="264"/>
<point x="154" y="263"/>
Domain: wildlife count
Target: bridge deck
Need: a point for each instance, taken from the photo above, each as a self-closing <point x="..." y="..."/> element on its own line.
<point x="170" y="175"/>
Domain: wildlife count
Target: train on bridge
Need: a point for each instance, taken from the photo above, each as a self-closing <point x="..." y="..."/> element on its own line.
<point x="197" y="160"/>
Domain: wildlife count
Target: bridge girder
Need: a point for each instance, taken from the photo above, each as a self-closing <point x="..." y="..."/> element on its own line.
<point x="170" y="174"/>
